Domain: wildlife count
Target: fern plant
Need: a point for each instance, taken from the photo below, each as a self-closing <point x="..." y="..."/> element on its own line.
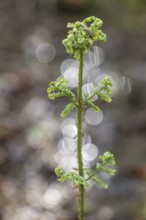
<point x="79" y="40"/>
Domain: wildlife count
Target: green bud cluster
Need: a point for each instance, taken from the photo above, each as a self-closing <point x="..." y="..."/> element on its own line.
<point x="82" y="35"/>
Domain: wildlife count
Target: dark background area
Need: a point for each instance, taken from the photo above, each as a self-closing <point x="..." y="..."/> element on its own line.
<point x="30" y="123"/>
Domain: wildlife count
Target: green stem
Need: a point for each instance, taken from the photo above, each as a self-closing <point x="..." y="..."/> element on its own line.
<point x="79" y="136"/>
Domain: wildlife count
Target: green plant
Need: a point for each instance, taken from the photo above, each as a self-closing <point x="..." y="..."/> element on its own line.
<point x="80" y="39"/>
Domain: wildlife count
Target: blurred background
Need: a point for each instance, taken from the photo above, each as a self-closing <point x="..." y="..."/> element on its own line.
<point x="31" y="54"/>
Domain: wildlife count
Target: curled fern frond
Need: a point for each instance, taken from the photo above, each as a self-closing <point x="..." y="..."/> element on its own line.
<point x="93" y="176"/>
<point x="103" y="168"/>
<point x="106" y="159"/>
<point x="99" y="182"/>
<point x="58" y="170"/>
<point x="67" y="109"/>
<point x="90" y="103"/>
<point x="72" y="176"/>
<point x="104" y="90"/>
<point x="59" y="88"/>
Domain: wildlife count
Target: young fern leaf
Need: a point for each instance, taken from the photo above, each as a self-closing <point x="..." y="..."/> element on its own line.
<point x="68" y="109"/>
<point x="106" y="159"/>
<point x="90" y="103"/>
<point x="103" y="168"/>
<point x="99" y="182"/>
<point x="59" y="88"/>
<point x="92" y="176"/>
<point x="105" y="89"/>
<point x="73" y="177"/>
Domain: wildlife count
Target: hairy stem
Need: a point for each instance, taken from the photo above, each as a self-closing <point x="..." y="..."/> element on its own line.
<point x="79" y="136"/>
